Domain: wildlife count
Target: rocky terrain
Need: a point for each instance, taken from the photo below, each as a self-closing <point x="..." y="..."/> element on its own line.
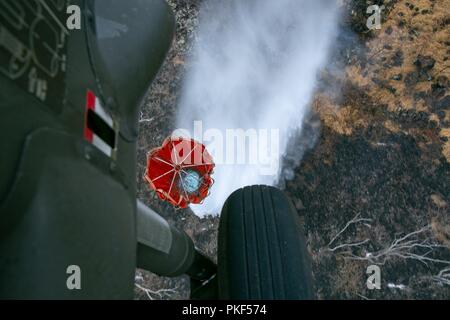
<point x="375" y="188"/>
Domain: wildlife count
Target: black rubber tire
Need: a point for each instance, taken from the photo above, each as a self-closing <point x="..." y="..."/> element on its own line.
<point x="261" y="251"/>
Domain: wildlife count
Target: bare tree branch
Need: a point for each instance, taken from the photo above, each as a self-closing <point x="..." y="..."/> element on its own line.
<point x="156" y="294"/>
<point x="356" y="219"/>
<point x="405" y="247"/>
<point x="443" y="277"/>
<point x="142" y="119"/>
<point x="348" y="245"/>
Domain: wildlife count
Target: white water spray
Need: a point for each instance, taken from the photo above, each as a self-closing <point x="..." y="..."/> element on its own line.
<point x="255" y="66"/>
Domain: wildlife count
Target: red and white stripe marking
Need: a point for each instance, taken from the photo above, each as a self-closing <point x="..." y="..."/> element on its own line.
<point x="93" y="103"/>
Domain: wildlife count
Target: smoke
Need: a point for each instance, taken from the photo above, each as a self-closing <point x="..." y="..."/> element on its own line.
<point x="252" y="76"/>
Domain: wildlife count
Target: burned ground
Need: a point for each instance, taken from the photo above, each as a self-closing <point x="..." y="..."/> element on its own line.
<point x="382" y="153"/>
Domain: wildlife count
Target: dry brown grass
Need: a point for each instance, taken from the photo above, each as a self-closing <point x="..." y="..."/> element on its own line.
<point x="340" y="119"/>
<point x="391" y="126"/>
<point x="441" y="230"/>
<point x="413" y="34"/>
<point x="414" y="38"/>
<point x="446" y="147"/>
<point x="349" y="278"/>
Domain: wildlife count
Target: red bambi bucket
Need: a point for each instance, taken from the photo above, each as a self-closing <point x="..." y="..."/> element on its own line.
<point x="180" y="171"/>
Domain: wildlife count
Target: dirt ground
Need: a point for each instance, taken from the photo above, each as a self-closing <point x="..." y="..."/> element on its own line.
<point x="382" y="156"/>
